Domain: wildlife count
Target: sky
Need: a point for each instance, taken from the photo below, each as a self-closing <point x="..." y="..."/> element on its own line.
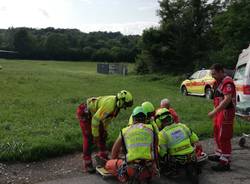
<point x="126" y="16"/>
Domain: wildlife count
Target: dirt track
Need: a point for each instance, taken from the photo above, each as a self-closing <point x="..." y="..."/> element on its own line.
<point x="67" y="169"/>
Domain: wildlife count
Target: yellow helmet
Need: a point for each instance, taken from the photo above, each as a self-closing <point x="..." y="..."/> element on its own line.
<point x="124" y="99"/>
<point x="138" y="110"/>
<point x="139" y="115"/>
<point x="163" y="115"/>
<point x="149" y="108"/>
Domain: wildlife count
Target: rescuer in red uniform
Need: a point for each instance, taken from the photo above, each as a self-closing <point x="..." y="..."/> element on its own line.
<point x="223" y="117"/>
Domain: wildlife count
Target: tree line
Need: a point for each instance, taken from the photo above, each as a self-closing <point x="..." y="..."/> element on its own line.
<point x="69" y="44"/>
<point x="192" y="34"/>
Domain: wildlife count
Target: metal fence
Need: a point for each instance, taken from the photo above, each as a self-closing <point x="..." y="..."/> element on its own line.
<point x="8" y="54"/>
<point x="112" y="68"/>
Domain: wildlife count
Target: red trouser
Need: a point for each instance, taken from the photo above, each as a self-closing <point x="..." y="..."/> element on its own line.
<point x="223" y="133"/>
<point x="85" y="124"/>
<point x="113" y="166"/>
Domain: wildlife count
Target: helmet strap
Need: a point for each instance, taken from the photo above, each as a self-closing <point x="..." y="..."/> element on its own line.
<point x="119" y="103"/>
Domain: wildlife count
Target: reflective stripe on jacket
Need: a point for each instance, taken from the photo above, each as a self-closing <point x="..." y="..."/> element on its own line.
<point x="218" y="92"/>
<point x="139" y="140"/>
<point x="176" y="139"/>
<point x="151" y="121"/>
<point x="102" y="109"/>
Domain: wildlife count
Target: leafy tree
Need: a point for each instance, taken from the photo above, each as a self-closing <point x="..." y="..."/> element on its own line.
<point x="56" y="45"/>
<point x="23" y="42"/>
<point x="142" y="65"/>
<point x="231" y="29"/>
<point x="87" y="52"/>
<point x="180" y="43"/>
<point x="69" y="44"/>
<point x="102" y="54"/>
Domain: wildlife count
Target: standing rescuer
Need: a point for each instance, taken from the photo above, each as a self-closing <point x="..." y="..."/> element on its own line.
<point x="94" y="117"/>
<point x="223" y="117"/>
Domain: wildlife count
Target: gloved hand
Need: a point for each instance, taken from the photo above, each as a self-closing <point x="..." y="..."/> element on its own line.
<point x="198" y="149"/>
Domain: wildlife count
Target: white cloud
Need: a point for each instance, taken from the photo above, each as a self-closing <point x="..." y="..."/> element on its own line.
<point x="72" y="14"/>
<point x="44" y="12"/>
<point x="126" y="28"/>
<point x="148" y="6"/>
<point x="3" y="8"/>
<point x="87" y="1"/>
<point x="143" y="8"/>
<point x="116" y="2"/>
<point x="34" y="13"/>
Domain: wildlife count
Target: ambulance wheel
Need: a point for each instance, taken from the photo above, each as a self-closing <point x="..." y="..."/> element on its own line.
<point x="184" y="91"/>
<point x="242" y="142"/>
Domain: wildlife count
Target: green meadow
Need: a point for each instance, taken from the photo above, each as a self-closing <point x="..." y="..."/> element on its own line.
<point x="38" y="101"/>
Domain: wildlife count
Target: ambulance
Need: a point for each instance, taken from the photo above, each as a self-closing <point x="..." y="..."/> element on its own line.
<point x="199" y="84"/>
<point x="242" y="77"/>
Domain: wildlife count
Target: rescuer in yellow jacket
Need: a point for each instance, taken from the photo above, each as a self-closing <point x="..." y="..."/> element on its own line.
<point x="94" y="117"/>
<point x="140" y="143"/>
<point x="149" y="109"/>
<point x="174" y="139"/>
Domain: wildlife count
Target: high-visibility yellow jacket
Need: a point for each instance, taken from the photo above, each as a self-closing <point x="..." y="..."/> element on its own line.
<point x="139" y="142"/>
<point x="151" y="121"/>
<point x="176" y="139"/>
<point x="102" y="109"/>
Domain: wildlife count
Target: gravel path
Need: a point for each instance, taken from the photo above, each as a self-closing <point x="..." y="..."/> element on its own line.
<point x="67" y="169"/>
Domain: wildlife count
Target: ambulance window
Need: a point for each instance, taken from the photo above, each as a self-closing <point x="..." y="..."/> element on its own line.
<point x="195" y="75"/>
<point x="203" y="73"/>
<point x="240" y="72"/>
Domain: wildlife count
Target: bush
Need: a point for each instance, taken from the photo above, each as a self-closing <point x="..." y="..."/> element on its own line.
<point x="142" y="64"/>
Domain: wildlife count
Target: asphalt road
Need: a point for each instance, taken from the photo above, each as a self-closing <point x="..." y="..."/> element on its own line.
<point x="239" y="174"/>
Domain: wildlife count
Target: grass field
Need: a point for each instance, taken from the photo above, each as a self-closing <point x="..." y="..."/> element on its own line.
<point x="38" y="100"/>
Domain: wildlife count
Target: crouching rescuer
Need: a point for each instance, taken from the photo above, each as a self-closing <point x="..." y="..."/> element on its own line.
<point x="94" y="117"/>
<point x="139" y="142"/>
<point x="174" y="139"/>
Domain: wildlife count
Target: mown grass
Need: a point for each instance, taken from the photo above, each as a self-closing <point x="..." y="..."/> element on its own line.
<point x="38" y="100"/>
